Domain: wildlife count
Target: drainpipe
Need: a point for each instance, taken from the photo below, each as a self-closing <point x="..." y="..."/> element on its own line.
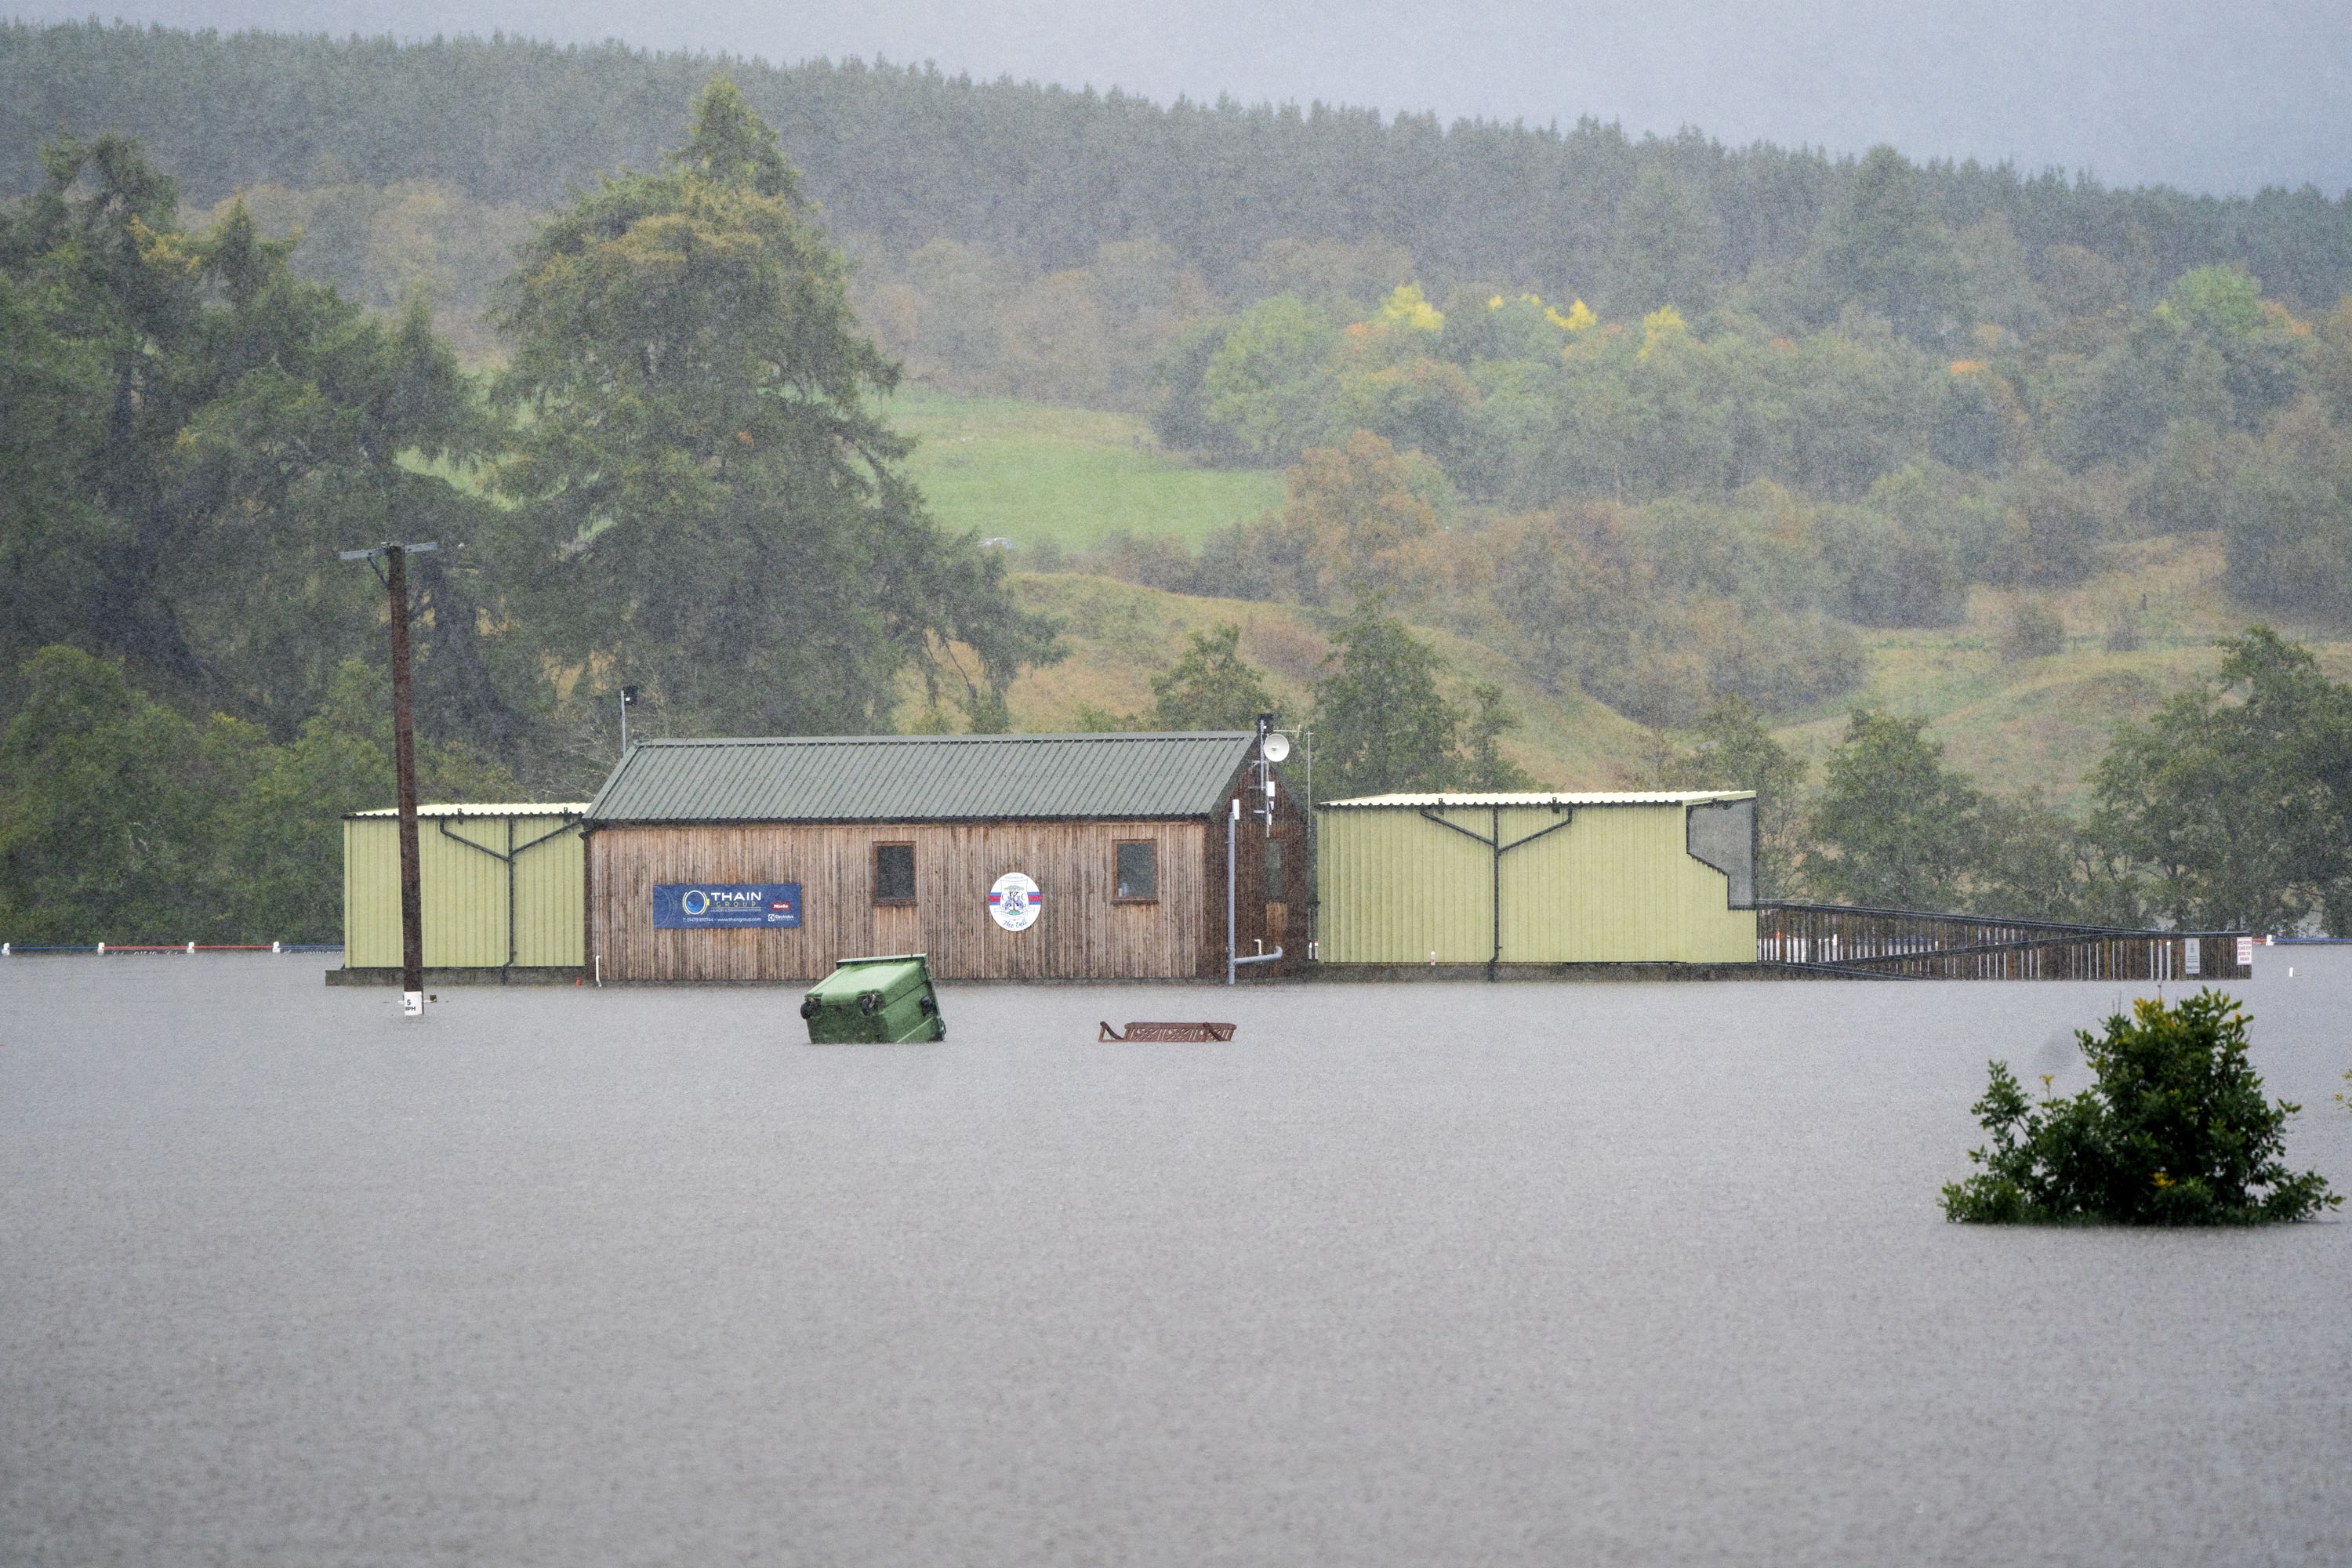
<point x="1498" y="849"/>
<point x="1233" y="959"/>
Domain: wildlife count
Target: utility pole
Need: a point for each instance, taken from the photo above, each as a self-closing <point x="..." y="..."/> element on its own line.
<point x="395" y="576"/>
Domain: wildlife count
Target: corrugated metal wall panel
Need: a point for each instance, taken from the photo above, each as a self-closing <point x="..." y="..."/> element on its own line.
<point x="1615" y="886"/>
<point x="370" y="893"/>
<point x="550" y="895"/>
<point x="465" y="896"/>
<point x="1396" y="890"/>
<point x="464" y="892"/>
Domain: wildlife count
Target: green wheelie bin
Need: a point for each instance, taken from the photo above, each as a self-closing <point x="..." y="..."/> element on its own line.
<point x="875" y="1001"/>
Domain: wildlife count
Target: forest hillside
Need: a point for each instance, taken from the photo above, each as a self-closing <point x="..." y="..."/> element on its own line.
<point x="848" y="397"/>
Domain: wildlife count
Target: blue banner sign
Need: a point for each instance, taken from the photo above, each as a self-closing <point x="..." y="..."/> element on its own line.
<point x="712" y="906"/>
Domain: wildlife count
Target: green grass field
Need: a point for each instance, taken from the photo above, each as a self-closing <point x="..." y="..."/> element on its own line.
<point x="1030" y="472"/>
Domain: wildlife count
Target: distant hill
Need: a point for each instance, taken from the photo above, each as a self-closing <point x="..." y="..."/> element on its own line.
<point x="1047" y="177"/>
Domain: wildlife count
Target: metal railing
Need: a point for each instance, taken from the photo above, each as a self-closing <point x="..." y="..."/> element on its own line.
<point x="1888" y="944"/>
<point x="110" y="949"/>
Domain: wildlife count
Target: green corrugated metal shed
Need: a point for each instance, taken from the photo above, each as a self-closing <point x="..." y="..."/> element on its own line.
<point x="923" y="778"/>
<point x="502" y="885"/>
<point x="1644" y="878"/>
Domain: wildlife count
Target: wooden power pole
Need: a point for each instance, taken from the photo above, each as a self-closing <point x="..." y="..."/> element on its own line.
<point x="404" y="762"/>
<point x="403" y="756"/>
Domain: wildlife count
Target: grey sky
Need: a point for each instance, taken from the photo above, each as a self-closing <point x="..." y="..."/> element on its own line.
<point x="2213" y="97"/>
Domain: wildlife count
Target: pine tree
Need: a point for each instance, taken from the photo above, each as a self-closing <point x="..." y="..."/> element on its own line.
<point x="705" y="490"/>
<point x="1213" y="686"/>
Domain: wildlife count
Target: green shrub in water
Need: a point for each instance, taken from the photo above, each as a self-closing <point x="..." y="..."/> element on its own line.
<point x="2175" y="1131"/>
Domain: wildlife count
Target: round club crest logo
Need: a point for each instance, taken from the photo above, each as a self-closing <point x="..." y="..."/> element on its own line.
<point x="695" y="901"/>
<point x="1013" y="902"/>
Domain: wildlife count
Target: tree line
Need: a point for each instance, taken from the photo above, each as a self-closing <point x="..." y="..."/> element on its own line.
<point x="2229" y="808"/>
<point x="1044" y="176"/>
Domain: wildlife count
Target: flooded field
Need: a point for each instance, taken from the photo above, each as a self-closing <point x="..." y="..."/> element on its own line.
<point x="1523" y="1273"/>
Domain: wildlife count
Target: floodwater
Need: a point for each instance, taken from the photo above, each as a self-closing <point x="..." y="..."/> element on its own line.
<point x="1405" y="1274"/>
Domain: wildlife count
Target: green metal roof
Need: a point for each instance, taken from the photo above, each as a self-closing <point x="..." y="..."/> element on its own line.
<point x="923" y="778"/>
<point x="1517" y="800"/>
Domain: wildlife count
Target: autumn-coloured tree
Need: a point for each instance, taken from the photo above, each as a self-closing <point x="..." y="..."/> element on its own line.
<point x="1369" y="523"/>
<point x="1419" y="405"/>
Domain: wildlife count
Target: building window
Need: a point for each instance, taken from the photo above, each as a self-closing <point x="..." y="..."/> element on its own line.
<point x="1277" y="891"/>
<point x="1139" y="872"/>
<point x="894" y="873"/>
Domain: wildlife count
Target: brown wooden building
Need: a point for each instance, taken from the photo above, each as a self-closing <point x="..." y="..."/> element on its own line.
<point x="774" y="859"/>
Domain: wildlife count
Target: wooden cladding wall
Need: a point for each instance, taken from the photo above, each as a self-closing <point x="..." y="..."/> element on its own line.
<point x="1080" y="935"/>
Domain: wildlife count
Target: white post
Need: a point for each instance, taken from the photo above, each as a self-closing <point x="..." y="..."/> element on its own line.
<point x="1233" y="832"/>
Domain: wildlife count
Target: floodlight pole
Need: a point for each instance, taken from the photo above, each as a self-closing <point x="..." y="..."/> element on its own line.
<point x="395" y="574"/>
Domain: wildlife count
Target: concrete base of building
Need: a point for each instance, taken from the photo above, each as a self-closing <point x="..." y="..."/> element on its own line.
<point x="959" y="982"/>
<point x="552" y="974"/>
<point x="1427" y="973"/>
